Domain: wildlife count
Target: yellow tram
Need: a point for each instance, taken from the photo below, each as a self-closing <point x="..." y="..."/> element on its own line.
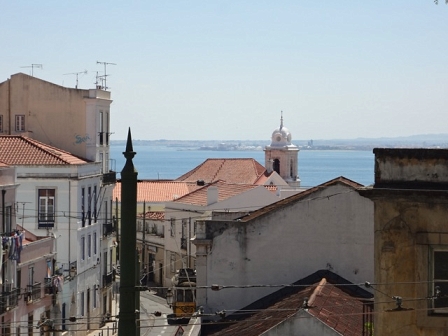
<point x="182" y="296"/>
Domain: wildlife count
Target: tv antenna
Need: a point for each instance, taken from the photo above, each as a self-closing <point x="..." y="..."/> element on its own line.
<point x="104" y="77"/>
<point x="32" y="66"/>
<point x="77" y="74"/>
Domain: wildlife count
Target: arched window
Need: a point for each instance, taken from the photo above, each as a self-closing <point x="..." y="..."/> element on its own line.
<point x="291" y="169"/>
<point x="276" y="166"/>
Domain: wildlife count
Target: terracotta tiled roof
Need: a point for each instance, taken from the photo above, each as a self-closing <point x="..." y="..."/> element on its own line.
<point x="297" y="197"/>
<point x="262" y="179"/>
<point x="158" y="191"/>
<point x="338" y="310"/>
<point x="339" y="307"/>
<point x="225" y="191"/>
<point x="153" y="215"/>
<point x="237" y="171"/>
<point x="20" y="150"/>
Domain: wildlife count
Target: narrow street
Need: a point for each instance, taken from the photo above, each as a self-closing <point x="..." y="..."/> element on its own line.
<point x="151" y="325"/>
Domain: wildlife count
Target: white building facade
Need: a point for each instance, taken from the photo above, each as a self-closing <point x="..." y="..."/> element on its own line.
<point x="326" y="227"/>
<point x="77" y="121"/>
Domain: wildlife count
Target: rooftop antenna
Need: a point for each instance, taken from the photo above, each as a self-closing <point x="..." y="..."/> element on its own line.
<point x="77" y="74"/>
<point x="105" y="75"/>
<point x="32" y="66"/>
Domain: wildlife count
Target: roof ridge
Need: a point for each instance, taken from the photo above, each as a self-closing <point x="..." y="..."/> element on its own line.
<point x="219" y="169"/>
<point x="197" y="190"/>
<point x="191" y="172"/>
<point x="317" y="290"/>
<point x="303" y="194"/>
<point x="39" y="146"/>
<point x="49" y="152"/>
<point x="48" y="148"/>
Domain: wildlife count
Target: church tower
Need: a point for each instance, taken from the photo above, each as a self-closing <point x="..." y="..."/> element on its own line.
<point x="282" y="156"/>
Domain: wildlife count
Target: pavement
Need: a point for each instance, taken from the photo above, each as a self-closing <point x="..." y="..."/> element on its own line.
<point x="156" y="303"/>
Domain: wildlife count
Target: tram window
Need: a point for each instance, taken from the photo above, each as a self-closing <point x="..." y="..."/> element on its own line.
<point x="189" y="296"/>
<point x="180" y="295"/>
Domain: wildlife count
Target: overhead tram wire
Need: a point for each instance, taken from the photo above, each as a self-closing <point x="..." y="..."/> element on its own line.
<point x="78" y="320"/>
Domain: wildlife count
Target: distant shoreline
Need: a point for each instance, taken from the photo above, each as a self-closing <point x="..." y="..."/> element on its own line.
<point x="361" y="144"/>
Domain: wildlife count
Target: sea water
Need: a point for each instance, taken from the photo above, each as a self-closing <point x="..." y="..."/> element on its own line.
<point x="315" y="166"/>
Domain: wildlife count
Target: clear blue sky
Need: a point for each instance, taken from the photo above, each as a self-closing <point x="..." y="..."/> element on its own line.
<point x="225" y="69"/>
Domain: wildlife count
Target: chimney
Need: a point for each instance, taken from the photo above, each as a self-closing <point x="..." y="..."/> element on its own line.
<point x="212" y="195"/>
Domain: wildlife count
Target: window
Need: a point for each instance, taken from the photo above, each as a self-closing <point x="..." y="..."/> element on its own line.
<point x="94" y="203"/>
<point x="101" y="131"/>
<point x="89" y="205"/>
<point x="1" y="123"/>
<point x="106" y="219"/>
<point x="95" y="294"/>
<point x="102" y="164"/>
<point x="89" y="246"/>
<point x="440" y="278"/>
<point x="173" y="262"/>
<point x="30" y="324"/>
<point x="184" y="227"/>
<point x="183" y="239"/>
<point x="82" y="304"/>
<point x="173" y="226"/>
<point x="46" y="208"/>
<point x="291" y="169"/>
<point x="8" y="212"/>
<point x="111" y="213"/>
<point x="20" y="123"/>
<point x="139" y="226"/>
<point x="83" y="194"/>
<point x="94" y="243"/>
<point x="276" y="166"/>
<point x="106" y="163"/>
<point x="107" y="128"/>
<point x="83" y="248"/>
<point x="31" y="275"/>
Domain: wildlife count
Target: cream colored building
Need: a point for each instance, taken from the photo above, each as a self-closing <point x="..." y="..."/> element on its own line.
<point x="411" y="241"/>
<point x="328" y="227"/>
<point x="75" y="120"/>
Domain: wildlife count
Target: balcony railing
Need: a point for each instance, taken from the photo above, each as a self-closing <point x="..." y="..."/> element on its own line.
<point x="34" y="291"/>
<point x="108" y="228"/>
<point x="9" y="300"/>
<point x="108" y="278"/>
<point x="110" y="177"/>
<point x="49" y="288"/>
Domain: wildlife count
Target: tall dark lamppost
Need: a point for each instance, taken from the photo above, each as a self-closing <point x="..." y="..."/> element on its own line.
<point x="129" y="314"/>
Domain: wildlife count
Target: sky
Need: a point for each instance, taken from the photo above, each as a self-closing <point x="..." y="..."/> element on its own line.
<point x="224" y="70"/>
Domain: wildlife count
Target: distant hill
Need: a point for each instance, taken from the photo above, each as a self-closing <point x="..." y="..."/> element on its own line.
<point x="413" y="141"/>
